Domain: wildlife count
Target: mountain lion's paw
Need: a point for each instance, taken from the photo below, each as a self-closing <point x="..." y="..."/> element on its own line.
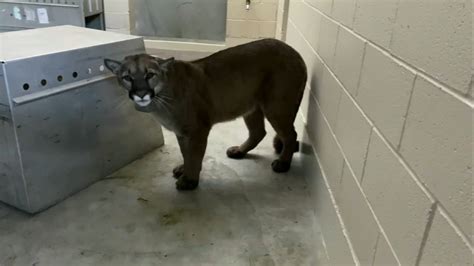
<point x="235" y="153"/>
<point x="184" y="183"/>
<point x="280" y="166"/>
<point x="178" y="171"/>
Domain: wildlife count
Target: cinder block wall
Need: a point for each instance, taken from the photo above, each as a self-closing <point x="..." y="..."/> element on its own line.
<point x="117" y="16"/>
<point x="388" y="111"/>
<point x="242" y="25"/>
<point x="260" y="21"/>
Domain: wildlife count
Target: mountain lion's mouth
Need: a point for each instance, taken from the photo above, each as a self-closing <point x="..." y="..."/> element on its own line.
<point x="142" y="101"/>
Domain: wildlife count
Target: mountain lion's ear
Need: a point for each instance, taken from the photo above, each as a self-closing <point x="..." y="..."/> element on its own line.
<point x="166" y="63"/>
<point x="112" y="65"/>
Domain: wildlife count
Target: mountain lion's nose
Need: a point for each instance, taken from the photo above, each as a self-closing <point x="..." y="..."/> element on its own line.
<point x="147" y="97"/>
<point x="141" y="94"/>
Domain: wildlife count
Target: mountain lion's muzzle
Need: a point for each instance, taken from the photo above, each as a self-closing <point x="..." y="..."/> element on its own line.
<point x="141" y="75"/>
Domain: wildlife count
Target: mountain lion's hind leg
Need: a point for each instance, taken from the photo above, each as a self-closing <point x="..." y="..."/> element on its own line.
<point x="255" y="123"/>
<point x="278" y="145"/>
<point x="282" y="121"/>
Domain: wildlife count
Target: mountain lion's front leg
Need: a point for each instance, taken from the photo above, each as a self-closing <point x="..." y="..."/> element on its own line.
<point x="193" y="153"/>
<point x="179" y="169"/>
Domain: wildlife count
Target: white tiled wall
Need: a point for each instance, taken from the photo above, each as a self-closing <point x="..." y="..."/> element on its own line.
<point x="389" y="114"/>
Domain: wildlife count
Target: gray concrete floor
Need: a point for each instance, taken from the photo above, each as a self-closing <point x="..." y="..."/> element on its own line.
<point x="242" y="214"/>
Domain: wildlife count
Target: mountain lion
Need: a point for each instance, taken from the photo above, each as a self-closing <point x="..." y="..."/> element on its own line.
<point x="257" y="80"/>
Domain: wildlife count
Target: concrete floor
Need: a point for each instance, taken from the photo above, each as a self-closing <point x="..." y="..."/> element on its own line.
<point x="242" y="214"/>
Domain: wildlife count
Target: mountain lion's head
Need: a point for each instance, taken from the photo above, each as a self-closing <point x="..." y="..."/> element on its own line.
<point x="141" y="75"/>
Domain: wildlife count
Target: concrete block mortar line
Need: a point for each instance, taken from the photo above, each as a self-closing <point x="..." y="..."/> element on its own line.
<point x="406" y="113"/>
<point x="394" y="20"/>
<point x="410" y="67"/>
<point x="360" y="70"/>
<point x="335" y="44"/>
<point x="375" y="249"/>
<point x="354" y="15"/>
<point x="397" y="155"/>
<point x="426" y="232"/>
<point x="342" y="172"/>
<point x="469" y="90"/>
<point x="366" y="154"/>
<point x="332" y="6"/>
<point x="455" y="226"/>
<point x="338" y="104"/>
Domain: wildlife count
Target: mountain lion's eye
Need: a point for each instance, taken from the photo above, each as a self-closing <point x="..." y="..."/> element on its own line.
<point x="149" y="75"/>
<point x="127" y="78"/>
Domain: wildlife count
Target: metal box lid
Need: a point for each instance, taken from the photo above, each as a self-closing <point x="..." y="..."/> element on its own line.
<point x="23" y="44"/>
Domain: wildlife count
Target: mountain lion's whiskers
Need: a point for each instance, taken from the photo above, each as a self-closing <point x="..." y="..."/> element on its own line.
<point x="165" y="96"/>
<point x="163" y="103"/>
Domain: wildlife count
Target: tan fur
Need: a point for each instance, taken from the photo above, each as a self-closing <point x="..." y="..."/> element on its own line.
<point x="262" y="79"/>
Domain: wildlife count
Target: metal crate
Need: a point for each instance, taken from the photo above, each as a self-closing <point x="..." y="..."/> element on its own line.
<point x="64" y="121"/>
<point x="29" y="14"/>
